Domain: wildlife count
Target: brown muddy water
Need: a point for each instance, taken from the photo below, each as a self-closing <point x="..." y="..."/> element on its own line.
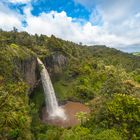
<point x="71" y="109"/>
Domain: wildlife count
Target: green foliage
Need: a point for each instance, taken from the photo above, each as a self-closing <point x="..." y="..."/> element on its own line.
<point x="10" y="57"/>
<point x="36" y="105"/>
<point x="136" y="75"/>
<point x="64" y="90"/>
<point x="14" y="117"/>
<point x="122" y="113"/>
<point x="108" y="134"/>
<point x="137" y="53"/>
<point x="82" y="116"/>
<point x="117" y="82"/>
<point x="77" y="133"/>
<point x="50" y="135"/>
<point x="40" y="67"/>
<point x="111" y="56"/>
<point x="94" y="75"/>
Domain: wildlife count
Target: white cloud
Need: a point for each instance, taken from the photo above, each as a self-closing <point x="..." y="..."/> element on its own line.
<point x="118" y="30"/>
<point x="63" y="26"/>
<point x="9" y="18"/>
<point x="119" y="18"/>
<point x="19" y="1"/>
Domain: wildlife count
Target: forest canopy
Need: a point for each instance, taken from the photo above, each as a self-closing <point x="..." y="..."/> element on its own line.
<point x="105" y="79"/>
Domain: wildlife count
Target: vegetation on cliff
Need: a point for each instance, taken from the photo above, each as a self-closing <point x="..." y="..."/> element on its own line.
<point x="106" y="79"/>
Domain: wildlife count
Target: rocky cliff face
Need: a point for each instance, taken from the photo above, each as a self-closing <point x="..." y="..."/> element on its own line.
<point x="56" y="63"/>
<point x="28" y="68"/>
<point x="29" y="71"/>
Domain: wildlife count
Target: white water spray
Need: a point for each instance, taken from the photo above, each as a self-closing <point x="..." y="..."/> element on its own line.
<point x="51" y="102"/>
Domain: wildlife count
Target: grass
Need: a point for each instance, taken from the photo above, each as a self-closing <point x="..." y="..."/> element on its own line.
<point x="63" y="91"/>
<point x="37" y="97"/>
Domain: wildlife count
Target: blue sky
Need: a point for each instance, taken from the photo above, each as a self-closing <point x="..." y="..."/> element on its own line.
<point x="115" y="23"/>
<point x="72" y="9"/>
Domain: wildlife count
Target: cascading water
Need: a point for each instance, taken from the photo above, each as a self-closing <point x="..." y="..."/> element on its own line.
<point x="51" y="102"/>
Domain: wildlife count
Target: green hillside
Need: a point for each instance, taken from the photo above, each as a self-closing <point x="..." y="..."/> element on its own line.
<point x="137" y="53"/>
<point x="105" y="79"/>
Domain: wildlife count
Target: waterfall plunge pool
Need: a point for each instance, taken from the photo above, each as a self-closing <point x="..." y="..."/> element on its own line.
<point x="70" y="109"/>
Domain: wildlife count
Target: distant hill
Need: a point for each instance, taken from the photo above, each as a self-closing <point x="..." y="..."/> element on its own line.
<point x="136" y="53"/>
<point x="115" y="57"/>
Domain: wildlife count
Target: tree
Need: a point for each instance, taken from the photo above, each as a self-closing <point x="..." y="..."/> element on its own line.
<point x="82" y="117"/>
<point x="121" y="113"/>
<point x="109" y="134"/>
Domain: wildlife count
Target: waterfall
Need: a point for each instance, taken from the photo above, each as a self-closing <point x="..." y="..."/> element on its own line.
<point x="51" y="102"/>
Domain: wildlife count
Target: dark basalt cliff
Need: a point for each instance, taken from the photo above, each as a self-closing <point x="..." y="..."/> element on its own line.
<point x="55" y="63"/>
<point x="19" y="64"/>
<point x="29" y="71"/>
<point x="29" y="68"/>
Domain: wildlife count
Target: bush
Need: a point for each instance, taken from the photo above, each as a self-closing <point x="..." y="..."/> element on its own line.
<point x="108" y="134"/>
<point x="122" y="113"/>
